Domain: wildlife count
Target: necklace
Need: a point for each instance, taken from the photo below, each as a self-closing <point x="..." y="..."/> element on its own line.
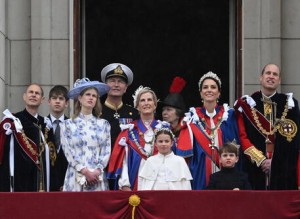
<point x="213" y="130"/>
<point x="274" y="129"/>
<point x="211" y="136"/>
<point x="148" y="136"/>
<point x="116" y="114"/>
<point x="142" y="149"/>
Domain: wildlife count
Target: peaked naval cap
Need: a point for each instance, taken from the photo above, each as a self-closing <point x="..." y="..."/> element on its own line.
<point x="117" y="70"/>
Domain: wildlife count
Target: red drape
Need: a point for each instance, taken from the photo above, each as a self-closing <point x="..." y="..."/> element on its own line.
<point x="153" y="205"/>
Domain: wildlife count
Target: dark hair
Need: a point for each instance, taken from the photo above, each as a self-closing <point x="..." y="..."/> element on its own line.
<point x="218" y="84"/>
<point x="179" y="112"/>
<point x="229" y="147"/>
<point x="166" y="131"/>
<point x="59" y="90"/>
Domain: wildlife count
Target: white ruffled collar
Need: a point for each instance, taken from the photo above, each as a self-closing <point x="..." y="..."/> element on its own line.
<point x="193" y="116"/>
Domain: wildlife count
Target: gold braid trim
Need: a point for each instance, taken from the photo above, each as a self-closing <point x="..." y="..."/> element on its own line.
<point x="52" y="152"/>
<point x="274" y="129"/>
<point x="256" y="155"/>
<point x="52" y="148"/>
<point x="28" y="144"/>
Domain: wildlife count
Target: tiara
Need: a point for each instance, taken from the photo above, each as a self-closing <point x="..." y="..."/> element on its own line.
<point x="136" y="93"/>
<point x="209" y="74"/>
<point x="164" y="129"/>
<point x="233" y="143"/>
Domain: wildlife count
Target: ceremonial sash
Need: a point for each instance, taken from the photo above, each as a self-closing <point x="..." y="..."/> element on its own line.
<point x="118" y="154"/>
<point x="117" y="157"/>
<point x="27" y="145"/>
<point x="135" y="147"/>
<point x="204" y="142"/>
<point x="130" y="141"/>
<point x="47" y="158"/>
<point x="141" y="129"/>
<point x="260" y="117"/>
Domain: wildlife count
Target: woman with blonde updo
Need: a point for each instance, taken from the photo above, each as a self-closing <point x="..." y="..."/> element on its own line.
<point x="135" y="143"/>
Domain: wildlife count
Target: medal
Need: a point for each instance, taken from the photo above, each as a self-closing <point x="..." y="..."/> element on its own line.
<point x="125" y="121"/>
<point x="116" y="115"/>
<point x="114" y="107"/>
<point x="149" y="136"/>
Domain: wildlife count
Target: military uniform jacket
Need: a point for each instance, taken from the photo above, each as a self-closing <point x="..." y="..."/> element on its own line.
<point x="125" y="114"/>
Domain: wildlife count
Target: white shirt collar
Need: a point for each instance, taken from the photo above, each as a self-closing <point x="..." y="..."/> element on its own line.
<point x="211" y="115"/>
<point x="62" y="118"/>
<point x="265" y="96"/>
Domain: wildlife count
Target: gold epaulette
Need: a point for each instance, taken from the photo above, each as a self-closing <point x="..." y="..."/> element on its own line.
<point x="256" y="155"/>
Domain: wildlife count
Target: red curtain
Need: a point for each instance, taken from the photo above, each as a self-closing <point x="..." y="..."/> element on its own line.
<point x="153" y="204"/>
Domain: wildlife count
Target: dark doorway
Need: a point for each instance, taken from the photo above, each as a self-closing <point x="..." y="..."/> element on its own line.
<point x="159" y="40"/>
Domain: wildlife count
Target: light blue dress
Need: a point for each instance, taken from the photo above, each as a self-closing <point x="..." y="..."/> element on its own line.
<point x="86" y="143"/>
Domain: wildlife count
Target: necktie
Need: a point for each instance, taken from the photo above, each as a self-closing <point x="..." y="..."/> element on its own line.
<point x="57" y="134"/>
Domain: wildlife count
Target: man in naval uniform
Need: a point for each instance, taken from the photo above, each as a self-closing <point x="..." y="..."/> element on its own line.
<point x="118" y="77"/>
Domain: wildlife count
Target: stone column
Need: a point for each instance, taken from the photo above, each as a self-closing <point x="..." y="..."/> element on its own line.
<point x="18" y="52"/>
<point x="3" y="36"/>
<point x="291" y="47"/>
<point x="34" y="48"/>
<point x="262" y="39"/>
<point x="50" y="44"/>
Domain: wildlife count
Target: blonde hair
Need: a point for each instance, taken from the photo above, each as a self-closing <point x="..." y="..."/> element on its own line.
<point x="142" y="90"/>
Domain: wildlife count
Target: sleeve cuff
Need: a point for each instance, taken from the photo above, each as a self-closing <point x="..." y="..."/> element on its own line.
<point x="79" y="167"/>
<point x="255" y="155"/>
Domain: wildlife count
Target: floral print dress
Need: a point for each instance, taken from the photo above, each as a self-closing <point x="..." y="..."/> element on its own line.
<point x="86" y="143"/>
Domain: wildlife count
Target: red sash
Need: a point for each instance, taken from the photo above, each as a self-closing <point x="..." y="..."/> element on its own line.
<point x="135" y="147"/>
<point x="204" y="142"/>
<point x="262" y="119"/>
<point x="27" y="145"/>
<point x="118" y="153"/>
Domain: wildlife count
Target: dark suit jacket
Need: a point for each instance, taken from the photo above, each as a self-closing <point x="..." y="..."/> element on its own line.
<point x="228" y="179"/>
<point x="58" y="170"/>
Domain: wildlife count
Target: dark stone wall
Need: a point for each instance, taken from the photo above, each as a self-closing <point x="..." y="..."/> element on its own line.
<point x="158" y="40"/>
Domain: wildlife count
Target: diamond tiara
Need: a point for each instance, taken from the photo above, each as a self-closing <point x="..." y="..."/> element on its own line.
<point x="136" y="93"/>
<point x="212" y="75"/>
<point x="164" y="129"/>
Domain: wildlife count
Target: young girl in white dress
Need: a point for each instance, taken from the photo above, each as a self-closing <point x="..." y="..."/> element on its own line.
<point x="165" y="171"/>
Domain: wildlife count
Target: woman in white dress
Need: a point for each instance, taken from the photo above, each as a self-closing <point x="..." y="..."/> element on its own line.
<point x="85" y="139"/>
<point x="165" y="171"/>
